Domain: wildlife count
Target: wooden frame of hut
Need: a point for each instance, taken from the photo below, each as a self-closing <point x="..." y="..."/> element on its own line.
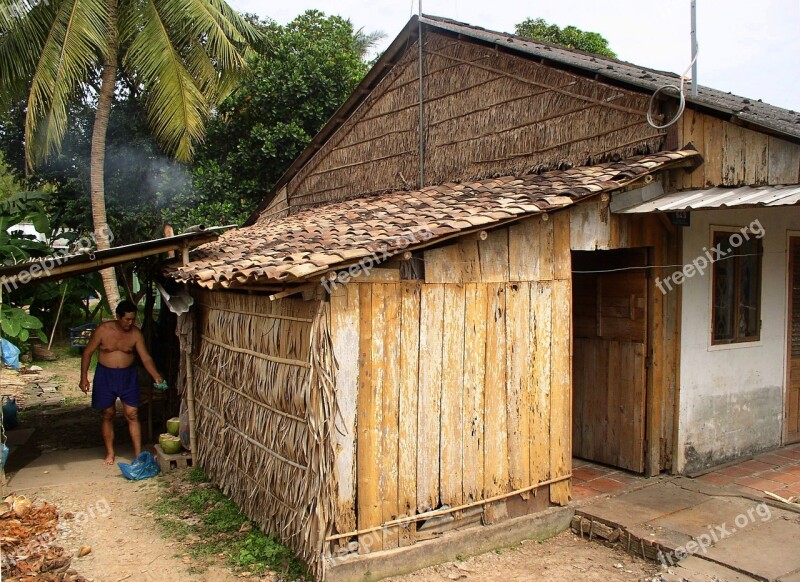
<point x="422" y="324"/>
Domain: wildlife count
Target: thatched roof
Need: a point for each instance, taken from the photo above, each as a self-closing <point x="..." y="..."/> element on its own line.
<point x="312" y="242"/>
<point x="741" y="110"/>
<point x="745" y="110"/>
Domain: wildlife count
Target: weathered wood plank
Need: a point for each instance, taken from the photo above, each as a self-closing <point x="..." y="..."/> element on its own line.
<point x="784" y="162"/>
<point x="345" y="339"/>
<point x="541" y="314"/>
<point x="368" y="449"/>
<point x="495" y="474"/>
<point x="560" y="380"/>
<point x="409" y="378"/>
<point x="614" y="399"/>
<point x="694" y="133"/>
<point x="546" y="250"/>
<point x="714" y="143"/>
<point x="733" y="152"/>
<point x="390" y="397"/>
<point x="523" y="246"/>
<point x="756" y="157"/>
<point x="474" y="376"/>
<point x="444" y="265"/>
<point x="517" y="383"/>
<point x="562" y="260"/>
<point x="377" y="275"/>
<point x="586" y="231"/>
<point x="494" y="256"/>
<point x="657" y="373"/>
<point x="639" y="383"/>
<point x="451" y="441"/>
<point x="470" y="260"/>
<point x="584" y="368"/>
<point x="430" y="391"/>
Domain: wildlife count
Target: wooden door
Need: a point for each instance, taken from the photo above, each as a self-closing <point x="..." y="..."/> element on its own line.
<point x="609" y="365"/>
<point x="792" y="408"/>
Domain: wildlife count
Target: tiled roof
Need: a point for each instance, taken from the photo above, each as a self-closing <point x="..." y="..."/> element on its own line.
<point x="308" y="244"/>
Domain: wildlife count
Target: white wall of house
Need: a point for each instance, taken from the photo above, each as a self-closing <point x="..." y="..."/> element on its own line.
<point x="732" y="397"/>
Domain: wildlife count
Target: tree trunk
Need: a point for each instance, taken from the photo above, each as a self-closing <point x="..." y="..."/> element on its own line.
<point x="103" y="235"/>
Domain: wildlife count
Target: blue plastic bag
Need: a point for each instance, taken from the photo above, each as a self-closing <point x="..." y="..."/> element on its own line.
<point x="10" y="354"/>
<point x="143" y="467"/>
<point x="10" y="410"/>
<point x="4" y="456"/>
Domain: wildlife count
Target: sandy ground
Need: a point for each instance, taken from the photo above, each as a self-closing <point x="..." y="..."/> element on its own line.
<point x="63" y="464"/>
<point x="560" y="559"/>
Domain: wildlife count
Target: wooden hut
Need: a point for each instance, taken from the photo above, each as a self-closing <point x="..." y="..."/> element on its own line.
<point x="422" y="324"/>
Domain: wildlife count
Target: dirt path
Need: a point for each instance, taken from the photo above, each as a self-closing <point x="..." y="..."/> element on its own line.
<point x="110" y="516"/>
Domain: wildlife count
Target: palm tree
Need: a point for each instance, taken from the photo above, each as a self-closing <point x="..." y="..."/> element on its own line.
<point x="185" y="55"/>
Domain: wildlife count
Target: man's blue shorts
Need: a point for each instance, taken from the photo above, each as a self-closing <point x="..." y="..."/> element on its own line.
<point x="110" y="383"/>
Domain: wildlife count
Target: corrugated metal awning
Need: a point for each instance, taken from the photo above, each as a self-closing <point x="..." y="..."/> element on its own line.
<point x="746" y="196"/>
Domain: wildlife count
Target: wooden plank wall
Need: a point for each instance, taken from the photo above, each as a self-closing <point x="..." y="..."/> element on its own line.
<point x="462" y="381"/>
<point x="734" y="155"/>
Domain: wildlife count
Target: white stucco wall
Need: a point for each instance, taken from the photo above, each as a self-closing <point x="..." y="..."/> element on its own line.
<point x="732" y="397"/>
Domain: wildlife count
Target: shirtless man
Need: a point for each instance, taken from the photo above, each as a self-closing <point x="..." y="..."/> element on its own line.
<point x="119" y="341"/>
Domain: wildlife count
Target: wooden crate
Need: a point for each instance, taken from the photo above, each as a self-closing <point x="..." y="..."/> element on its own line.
<point x="168" y="462"/>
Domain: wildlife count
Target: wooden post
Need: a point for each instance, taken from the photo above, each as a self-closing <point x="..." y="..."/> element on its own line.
<point x="185" y="331"/>
<point x="190" y="405"/>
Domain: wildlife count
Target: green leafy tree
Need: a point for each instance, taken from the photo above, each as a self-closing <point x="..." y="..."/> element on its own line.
<point x="184" y="56"/>
<point x="17" y="207"/>
<point x="569" y="36"/>
<point x="303" y="72"/>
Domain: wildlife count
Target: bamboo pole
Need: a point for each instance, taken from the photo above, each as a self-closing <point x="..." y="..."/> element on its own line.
<point x="190" y="405"/>
<point x="248" y="314"/>
<point x="58" y="315"/>
<point x="277" y="360"/>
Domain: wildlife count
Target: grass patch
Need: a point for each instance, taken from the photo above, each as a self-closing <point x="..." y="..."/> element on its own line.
<point x="192" y="510"/>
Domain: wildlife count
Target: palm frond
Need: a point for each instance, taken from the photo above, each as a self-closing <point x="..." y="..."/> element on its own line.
<point x="176" y="106"/>
<point x="223" y="40"/>
<point x="23" y="33"/>
<point x="250" y="33"/>
<point x="76" y="37"/>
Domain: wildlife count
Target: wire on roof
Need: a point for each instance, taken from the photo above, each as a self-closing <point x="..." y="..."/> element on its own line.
<point x="681" y="102"/>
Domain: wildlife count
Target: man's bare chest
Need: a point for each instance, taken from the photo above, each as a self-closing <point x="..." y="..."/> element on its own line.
<point x="116" y="342"/>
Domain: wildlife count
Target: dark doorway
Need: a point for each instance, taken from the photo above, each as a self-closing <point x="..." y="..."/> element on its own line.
<point x="609" y="359"/>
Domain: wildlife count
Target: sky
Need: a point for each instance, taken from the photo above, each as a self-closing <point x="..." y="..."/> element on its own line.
<point x="749" y="48"/>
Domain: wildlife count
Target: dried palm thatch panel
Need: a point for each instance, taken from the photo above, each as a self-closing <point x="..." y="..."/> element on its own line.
<point x="487" y="113"/>
<point x="263" y="389"/>
<point x="391" y="115"/>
